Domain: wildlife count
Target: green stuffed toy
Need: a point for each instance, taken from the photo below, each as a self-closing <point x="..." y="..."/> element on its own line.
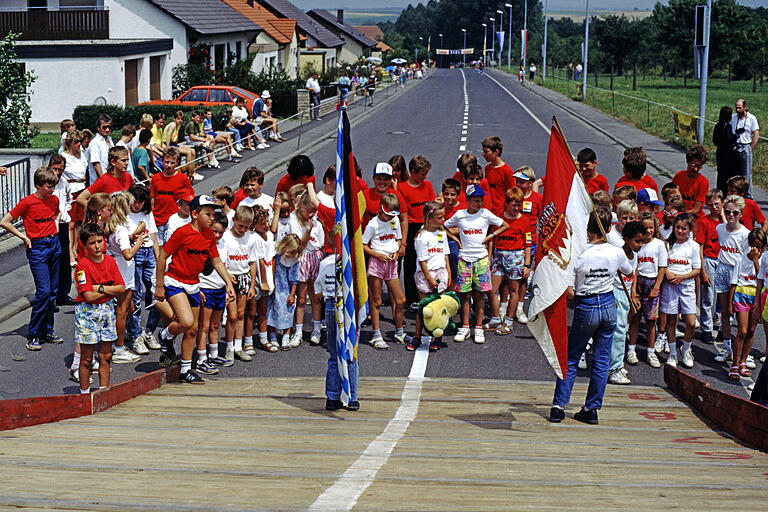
<point x="436" y="311"/>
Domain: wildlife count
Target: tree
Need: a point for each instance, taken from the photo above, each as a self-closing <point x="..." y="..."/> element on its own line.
<point x="15" y="94"/>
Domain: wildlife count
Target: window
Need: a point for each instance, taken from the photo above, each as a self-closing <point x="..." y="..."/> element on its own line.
<point x="195" y="95"/>
<point x="80" y="5"/>
<point x="218" y="95"/>
<point x="243" y="93"/>
<point x="37" y="4"/>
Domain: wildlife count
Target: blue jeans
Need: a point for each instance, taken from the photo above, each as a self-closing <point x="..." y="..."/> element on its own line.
<point x="332" y="377"/>
<point x="43" y="260"/>
<point x="145" y="274"/>
<point x="314" y="101"/>
<point x="744" y="156"/>
<point x="162" y="234"/>
<point x="594" y="317"/>
<point x="453" y="258"/>
<point x="235" y="135"/>
<point x="618" y="345"/>
<point x="708" y="296"/>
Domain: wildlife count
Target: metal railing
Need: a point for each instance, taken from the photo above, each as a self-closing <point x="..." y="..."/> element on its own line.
<point x="14" y="187"/>
<point x="42" y="25"/>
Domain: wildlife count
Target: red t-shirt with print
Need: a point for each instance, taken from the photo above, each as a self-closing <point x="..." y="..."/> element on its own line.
<point x="449" y="211"/>
<point x="706" y="236"/>
<point x="190" y="248"/>
<point x="517" y="237"/>
<point x="89" y="273"/>
<point x="531" y="211"/>
<point x="165" y="190"/>
<point x="373" y="202"/>
<point x="415" y="198"/>
<point x="693" y="190"/>
<point x="38" y="215"/>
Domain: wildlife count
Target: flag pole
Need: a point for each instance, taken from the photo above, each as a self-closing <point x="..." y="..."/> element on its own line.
<point x="599" y="224"/>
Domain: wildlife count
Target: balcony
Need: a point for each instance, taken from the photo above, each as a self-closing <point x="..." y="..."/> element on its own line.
<point x="41" y="25"/>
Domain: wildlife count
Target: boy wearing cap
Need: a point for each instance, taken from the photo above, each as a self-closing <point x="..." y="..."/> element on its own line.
<point x="473" y="272"/>
<point x="178" y="290"/>
<point x="165" y="189"/>
<point x="693" y="185"/>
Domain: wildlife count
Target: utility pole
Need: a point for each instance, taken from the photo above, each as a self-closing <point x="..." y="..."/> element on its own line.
<point x="586" y="54"/>
<point x="441" y="46"/>
<point x="544" y="52"/>
<point x="501" y="28"/>
<point x="704" y="73"/>
<point x="493" y="41"/>
<point x="525" y="29"/>
<point x="485" y="40"/>
<point x="509" y="47"/>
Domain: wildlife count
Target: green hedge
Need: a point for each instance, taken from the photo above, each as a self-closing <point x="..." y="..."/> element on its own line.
<point x="85" y="116"/>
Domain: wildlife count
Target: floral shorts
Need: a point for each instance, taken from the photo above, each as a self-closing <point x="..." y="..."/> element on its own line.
<point x="509" y="264"/>
<point x="95" y="323"/>
<point x="475" y="273"/>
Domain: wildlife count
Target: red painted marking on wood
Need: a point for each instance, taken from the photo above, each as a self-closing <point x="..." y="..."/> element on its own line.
<point x="643" y="396"/>
<point x="25" y="412"/>
<point x="660" y="416"/>
<point x="691" y="440"/>
<point x="725" y="455"/>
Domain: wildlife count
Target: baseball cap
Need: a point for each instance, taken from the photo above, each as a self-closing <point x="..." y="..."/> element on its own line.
<point x="184" y="194"/>
<point x="524" y="174"/>
<point x="265" y="94"/>
<point x="648" y="195"/>
<point x="382" y="168"/>
<point x="203" y="200"/>
<point x="475" y="191"/>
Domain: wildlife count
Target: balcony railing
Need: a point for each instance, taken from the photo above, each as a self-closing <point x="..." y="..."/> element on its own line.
<point x="40" y="25"/>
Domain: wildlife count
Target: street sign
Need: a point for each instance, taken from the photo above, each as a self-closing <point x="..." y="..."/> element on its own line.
<point x="465" y="51"/>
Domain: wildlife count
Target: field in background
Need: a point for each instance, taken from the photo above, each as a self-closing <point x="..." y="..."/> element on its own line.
<point x="578" y="16"/>
<point x="369" y="16"/>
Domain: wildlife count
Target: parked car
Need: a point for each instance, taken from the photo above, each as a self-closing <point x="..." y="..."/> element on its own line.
<point x="210" y="96"/>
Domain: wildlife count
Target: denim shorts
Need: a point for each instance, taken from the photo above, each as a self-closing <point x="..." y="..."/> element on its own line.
<point x="722" y="280"/>
<point x="95" y="323"/>
<point x="215" y="299"/>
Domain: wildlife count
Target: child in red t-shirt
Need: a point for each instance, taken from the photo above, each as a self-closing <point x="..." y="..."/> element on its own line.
<point x="165" y="188"/>
<point x="98" y="283"/>
<point x="40" y="214"/>
<point x="114" y="180"/>
<point x="531" y="209"/>
<point x="752" y="214"/>
<point x="498" y="174"/>
<point x="415" y="192"/>
<point x="587" y="162"/>
<point x="706" y="236"/>
<point x="692" y="184"/>
<point x="300" y="171"/>
<point x="511" y="261"/>
<point x="634" y="164"/>
<point x="190" y="245"/>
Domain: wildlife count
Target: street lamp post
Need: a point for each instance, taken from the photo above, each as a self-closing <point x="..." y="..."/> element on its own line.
<point x="463" y="56"/>
<point x="586" y="55"/>
<point x="421" y="41"/>
<point x="509" y="46"/>
<point x="544" y="53"/>
<point x="485" y="38"/>
<point x="501" y="27"/>
<point x="441" y="45"/>
<point x="493" y="41"/>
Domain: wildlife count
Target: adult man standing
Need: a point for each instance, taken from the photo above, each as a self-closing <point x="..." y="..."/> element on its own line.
<point x="98" y="150"/>
<point x="747" y="133"/>
<point x="313" y="86"/>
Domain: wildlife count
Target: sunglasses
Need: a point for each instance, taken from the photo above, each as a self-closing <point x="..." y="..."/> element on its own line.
<point x="732" y="212"/>
<point x="106" y="127"/>
<point x="76" y="141"/>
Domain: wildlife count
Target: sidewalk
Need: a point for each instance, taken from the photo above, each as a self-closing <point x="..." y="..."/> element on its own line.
<point x="303" y="135"/>
<point x="665" y="158"/>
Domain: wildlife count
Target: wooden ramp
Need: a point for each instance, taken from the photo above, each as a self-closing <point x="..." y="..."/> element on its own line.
<point x="268" y="444"/>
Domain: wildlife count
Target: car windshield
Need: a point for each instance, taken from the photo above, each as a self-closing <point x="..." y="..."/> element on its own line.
<point x="243" y="92"/>
<point x="195" y="95"/>
<point x="219" y="95"/>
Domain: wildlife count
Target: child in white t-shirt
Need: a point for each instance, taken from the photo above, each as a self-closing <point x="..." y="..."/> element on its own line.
<point x="678" y="292"/>
<point x="265" y="248"/>
<point x="253" y="181"/>
<point x="473" y="268"/>
<point x="214" y="291"/>
<point x="382" y="240"/>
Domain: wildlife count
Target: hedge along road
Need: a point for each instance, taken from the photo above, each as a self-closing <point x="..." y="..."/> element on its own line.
<point x="427" y="119"/>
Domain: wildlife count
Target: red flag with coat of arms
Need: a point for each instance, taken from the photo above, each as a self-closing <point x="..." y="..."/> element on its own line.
<point x="562" y="229"/>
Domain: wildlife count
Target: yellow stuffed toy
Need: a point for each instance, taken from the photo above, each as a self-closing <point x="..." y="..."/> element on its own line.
<point x="436" y="311"/>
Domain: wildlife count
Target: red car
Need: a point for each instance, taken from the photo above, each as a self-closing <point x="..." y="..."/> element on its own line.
<point x="210" y="96"/>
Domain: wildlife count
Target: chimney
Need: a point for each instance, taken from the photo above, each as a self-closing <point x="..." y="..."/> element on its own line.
<point x="340" y="15"/>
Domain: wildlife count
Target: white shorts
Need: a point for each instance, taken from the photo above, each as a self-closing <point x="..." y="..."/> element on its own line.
<point x="678" y="298"/>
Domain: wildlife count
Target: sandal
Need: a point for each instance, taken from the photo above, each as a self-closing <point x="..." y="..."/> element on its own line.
<point x="744" y="371"/>
<point x="270" y="346"/>
<point x="434" y="347"/>
<point x="733" y="373"/>
<point x="414" y="344"/>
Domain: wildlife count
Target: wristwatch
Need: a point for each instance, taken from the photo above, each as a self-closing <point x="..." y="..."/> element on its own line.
<point x="101" y="288"/>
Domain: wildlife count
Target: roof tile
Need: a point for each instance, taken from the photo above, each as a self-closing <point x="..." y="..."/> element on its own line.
<point x="206" y="16"/>
<point x="349" y="30"/>
<point x="307" y="26"/>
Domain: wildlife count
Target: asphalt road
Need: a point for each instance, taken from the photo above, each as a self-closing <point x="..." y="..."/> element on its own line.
<point x="426" y="119"/>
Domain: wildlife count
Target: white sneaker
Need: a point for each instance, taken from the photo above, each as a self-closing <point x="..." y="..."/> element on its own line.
<point x="661" y="342"/>
<point x="678" y="334"/>
<point x="139" y="346"/>
<point x="618" y="377"/>
<point x="479" y="335"/>
<point x="687" y="358"/>
<point x="286" y="342"/>
<point x="632" y="357"/>
<point x="198" y="177"/>
<point x="274" y="137"/>
<point x="234" y="154"/>
<point x="751" y="363"/>
<point x="653" y="360"/>
<point x="461" y="335"/>
<point x="230" y="357"/>
<point x="262" y="145"/>
<point x="123" y="355"/>
<point x="520" y="316"/>
<point x="724" y="355"/>
<point x="399" y="338"/>
<point x="215" y="164"/>
<point x="315" y="338"/>
<point x="296" y="339"/>
<point x="243" y="355"/>
<point x="238" y="147"/>
<point x="583" y="361"/>
<point x="151" y="340"/>
<point x="248" y="349"/>
<point x="751" y="387"/>
<point x="672" y="361"/>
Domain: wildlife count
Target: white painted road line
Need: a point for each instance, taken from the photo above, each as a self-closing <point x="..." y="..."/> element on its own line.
<point x="533" y="116"/>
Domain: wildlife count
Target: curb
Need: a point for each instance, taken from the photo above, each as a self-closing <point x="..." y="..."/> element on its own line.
<point x="16" y="307"/>
<point x="25" y="412"/>
<point x="660" y="168"/>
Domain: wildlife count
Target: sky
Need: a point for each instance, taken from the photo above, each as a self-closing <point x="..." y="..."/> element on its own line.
<point x="567" y="5"/>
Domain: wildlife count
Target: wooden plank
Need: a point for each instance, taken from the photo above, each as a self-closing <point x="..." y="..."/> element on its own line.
<point x="25" y="412"/>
